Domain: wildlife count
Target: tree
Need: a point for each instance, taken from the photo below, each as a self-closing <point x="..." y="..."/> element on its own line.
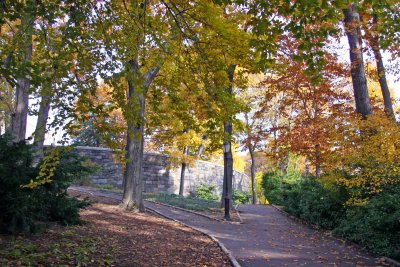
<point x="370" y="27"/>
<point x="366" y="164"/>
<point x="253" y="134"/>
<point x="306" y="127"/>
<point x="6" y="104"/>
<point x="40" y="44"/>
<point x="353" y="32"/>
<point x="150" y="39"/>
<point x="98" y="121"/>
<point x="23" y="81"/>
<point x="311" y="23"/>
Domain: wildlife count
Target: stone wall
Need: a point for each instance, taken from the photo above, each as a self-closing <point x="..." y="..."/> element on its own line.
<point x="157" y="178"/>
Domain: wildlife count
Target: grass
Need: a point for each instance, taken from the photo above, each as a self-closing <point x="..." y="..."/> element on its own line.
<point x="109" y="187"/>
<point x="190" y="203"/>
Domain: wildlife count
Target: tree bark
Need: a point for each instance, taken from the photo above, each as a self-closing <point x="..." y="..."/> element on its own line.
<point x="374" y="43"/>
<point x="20" y="116"/>
<point x="201" y="147"/>
<point x="132" y="196"/>
<point x="133" y="176"/>
<point x="228" y="158"/>
<point x="183" y="169"/>
<point x="200" y="150"/>
<point x="253" y="174"/>
<point x="353" y="32"/>
<point x="317" y="161"/>
<point x="40" y="130"/>
<point x="307" y="166"/>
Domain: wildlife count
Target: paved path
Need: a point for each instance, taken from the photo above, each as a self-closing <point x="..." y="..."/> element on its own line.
<point x="270" y="238"/>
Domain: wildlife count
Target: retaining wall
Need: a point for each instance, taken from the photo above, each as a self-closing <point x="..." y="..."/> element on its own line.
<point x="157" y="178"/>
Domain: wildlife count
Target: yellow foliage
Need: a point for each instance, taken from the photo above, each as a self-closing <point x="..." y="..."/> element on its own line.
<point x="259" y="189"/>
<point x="176" y="146"/>
<point x="239" y="164"/>
<point x="47" y="168"/>
<point x="367" y="155"/>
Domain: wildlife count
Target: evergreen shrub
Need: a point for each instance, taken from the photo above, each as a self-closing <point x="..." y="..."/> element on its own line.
<point x="27" y="209"/>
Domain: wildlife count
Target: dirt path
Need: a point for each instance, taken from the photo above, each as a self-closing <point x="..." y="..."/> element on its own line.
<point x="270" y="238"/>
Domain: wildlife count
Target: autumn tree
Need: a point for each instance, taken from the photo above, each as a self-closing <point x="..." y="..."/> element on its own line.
<point x="97" y="121"/>
<point x="254" y="133"/>
<point x="308" y="125"/>
<point x="149" y="40"/>
<point x="16" y="54"/>
<point x="312" y="23"/>
<point x="177" y="122"/>
<point x="373" y="18"/>
<point x="39" y="51"/>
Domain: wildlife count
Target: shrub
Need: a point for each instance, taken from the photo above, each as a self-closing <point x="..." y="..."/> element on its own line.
<point x="206" y="192"/>
<point x="240" y="197"/>
<point x="15" y="170"/>
<point x="22" y="207"/>
<point x="375" y="225"/>
<point x="272" y="184"/>
<point x="59" y="206"/>
<point x="291" y="197"/>
<point x="313" y="202"/>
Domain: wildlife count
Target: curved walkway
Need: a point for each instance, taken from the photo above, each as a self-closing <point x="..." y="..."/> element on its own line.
<point x="269" y="238"/>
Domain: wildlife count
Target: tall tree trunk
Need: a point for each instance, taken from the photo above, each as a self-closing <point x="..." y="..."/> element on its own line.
<point x="228" y="157"/>
<point x="40" y="130"/>
<point x="284" y="164"/>
<point x="387" y="101"/>
<point x="253" y="174"/>
<point x="307" y="166"/>
<point x="250" y="147"/>
<point x="201" y="146"/>
<point x="132" y="196"/>
<point x="20" y="116"/>
<point x="133" y="176"/>
<point x="317" y="161"/>
<point x="200" y="150"/>
<point x="353" y="32"/>
<point x="374" y="43"/>
<point x="183" y="169"/>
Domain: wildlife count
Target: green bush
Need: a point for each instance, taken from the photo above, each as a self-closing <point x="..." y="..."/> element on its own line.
<point x="59" y="206"/>
<point x="21" y="208"/>
<point x="375" y="225"/>
<point x="15" y="170"/>
<point x="240" y="197"/>
<point x="206" y="192"/>
<point x="290" y="198"/>
<point x="272" y="183"/>
<point x="313" y="202"/>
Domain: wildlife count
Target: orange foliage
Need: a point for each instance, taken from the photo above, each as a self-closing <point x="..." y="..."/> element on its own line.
<point x="306" y="112"/>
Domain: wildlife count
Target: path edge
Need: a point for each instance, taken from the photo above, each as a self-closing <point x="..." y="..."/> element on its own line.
<point x="227" y="252"/>
<point x="183" y="209"/>
<point x="197" y="213"/>
<point x="391" y="261"/>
